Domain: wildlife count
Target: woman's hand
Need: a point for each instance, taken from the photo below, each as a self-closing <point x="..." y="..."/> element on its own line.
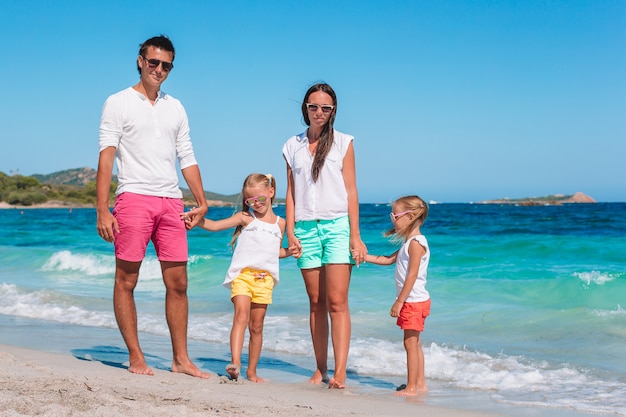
<point x="294" y="246"/>
<point x="358" y="250"/>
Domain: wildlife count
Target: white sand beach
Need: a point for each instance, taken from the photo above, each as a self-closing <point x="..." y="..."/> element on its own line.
<point x="35" y="383"/>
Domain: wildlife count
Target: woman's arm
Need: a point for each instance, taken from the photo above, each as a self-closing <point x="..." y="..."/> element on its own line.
<point x="290" y="214"/>
<point x="357" y="247"/>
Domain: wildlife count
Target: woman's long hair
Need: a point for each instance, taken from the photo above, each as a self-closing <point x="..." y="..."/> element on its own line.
<point x="327" y="137"/>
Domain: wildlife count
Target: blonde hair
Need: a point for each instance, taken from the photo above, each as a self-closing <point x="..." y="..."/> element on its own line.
<point x="413" y="204"/>
<point x="253" y="180"/>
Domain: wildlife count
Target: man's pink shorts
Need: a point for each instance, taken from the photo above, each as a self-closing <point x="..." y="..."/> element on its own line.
<point x="142" y="218"/>
<point x="413" y="315"/>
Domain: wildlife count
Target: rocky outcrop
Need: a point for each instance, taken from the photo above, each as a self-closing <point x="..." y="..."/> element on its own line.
<point x="579" y="198"/>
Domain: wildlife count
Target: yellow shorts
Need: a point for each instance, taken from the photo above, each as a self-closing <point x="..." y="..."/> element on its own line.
<point x="258" y="285"/>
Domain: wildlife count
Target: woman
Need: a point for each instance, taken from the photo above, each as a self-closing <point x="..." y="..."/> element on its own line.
<point x="322" y="214"/>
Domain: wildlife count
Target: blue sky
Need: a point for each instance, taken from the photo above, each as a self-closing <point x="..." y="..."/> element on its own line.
<point x="453" y="100"/>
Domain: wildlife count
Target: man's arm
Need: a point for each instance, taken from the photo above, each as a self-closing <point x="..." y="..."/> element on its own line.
<point x="194" y="182"/>
<point x="105" y="222"/>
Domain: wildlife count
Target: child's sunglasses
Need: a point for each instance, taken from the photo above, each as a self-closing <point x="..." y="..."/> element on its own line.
<point x="257" y="199"/>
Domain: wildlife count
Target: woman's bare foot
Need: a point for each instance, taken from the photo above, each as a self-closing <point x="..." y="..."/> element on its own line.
<point x="140" y="368"/>
<point x="318" y="377"/>
<point x="232" y="369"/>
<point x="190" y="369"/>
<point x="336" y="384"/>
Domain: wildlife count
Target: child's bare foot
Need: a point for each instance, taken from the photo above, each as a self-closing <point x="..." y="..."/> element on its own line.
<point x="254" y="378"/>
<point x="190" y="369"/>
<point x="411" y="391"/>
<point x="318" y="377"/>
<point x="232" y="369"/>
<point x="336" y="384"/>
<point x="140" y="368"/>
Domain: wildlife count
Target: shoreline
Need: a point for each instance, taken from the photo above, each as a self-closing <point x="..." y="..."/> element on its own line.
<point x="56" y="204"/>
<point x="77" y="371"/>
<point x="41" y="383"/>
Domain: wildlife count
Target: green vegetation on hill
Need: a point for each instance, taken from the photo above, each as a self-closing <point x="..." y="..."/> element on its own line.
<point x="28" y="190"/>
<point x="72" y="186"/>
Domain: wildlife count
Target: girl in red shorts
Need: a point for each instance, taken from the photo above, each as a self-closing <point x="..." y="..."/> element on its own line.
<point x="412" y="304"/>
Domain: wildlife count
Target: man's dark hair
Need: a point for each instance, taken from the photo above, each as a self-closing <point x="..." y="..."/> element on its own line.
<point x="161" y="42"/>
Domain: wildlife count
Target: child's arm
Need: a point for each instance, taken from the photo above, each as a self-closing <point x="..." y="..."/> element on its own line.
<point x="238" y="219"/>
<point x="416" y="251"/>
<point x="382" y="259"/>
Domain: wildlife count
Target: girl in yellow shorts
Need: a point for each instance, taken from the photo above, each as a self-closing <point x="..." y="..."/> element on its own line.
<point x="253" y="271"/>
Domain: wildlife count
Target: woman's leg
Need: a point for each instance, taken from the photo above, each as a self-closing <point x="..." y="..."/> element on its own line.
<point x="337" y="284"/>
<point x="315" y="283"/>
<point x="255" y="326"/>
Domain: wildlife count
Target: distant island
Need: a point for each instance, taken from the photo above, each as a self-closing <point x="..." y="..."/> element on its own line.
<point x="77" y="188"/>
<point x="550" y="200"/>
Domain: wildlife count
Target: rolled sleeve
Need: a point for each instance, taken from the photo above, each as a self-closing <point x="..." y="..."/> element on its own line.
<point x="110" y="125"/>
<point x="184" y="148"/>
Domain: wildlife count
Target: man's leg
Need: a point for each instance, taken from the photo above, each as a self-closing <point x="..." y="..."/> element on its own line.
<point x="126" y="276"/>
<point x="176" y="312"/>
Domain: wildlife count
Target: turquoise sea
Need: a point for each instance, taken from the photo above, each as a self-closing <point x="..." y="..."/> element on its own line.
<point x="528" y="304"/>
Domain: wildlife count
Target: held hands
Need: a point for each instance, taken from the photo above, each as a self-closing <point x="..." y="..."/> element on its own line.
<point x="193" y="217"/>
<point x="358" y="250"/>
<point x="294" y="248"/>
<point x="107" y="226"/>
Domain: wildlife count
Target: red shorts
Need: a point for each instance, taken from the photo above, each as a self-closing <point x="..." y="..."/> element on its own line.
<point x="142" y="218"/>
<point x="413" y="315"/>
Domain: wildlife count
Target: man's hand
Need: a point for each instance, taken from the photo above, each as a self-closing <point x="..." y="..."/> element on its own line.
<point x="194" y="216"/>
<point x="107" y="226"/>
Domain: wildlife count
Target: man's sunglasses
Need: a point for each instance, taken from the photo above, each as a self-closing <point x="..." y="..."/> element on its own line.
<point x="153" y="63"/>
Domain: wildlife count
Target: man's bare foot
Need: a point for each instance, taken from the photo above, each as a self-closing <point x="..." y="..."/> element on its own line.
<point x="190" y="369"/>
<point x="411" y="392"/>
<point x="336" y="384"/>
<point x="232" y="369"/>
<point x="140" y="368"/>
<point x="318" y="377"/>
<point x="254" y="378"/>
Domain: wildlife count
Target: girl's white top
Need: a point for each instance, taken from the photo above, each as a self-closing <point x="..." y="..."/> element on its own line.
<point x="327" y="198"/>
<point x="418" y="293"/>
<point x="258" y="248"/>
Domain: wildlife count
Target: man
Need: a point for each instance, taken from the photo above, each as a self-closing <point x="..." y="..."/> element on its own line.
<point x="145" y="131"/>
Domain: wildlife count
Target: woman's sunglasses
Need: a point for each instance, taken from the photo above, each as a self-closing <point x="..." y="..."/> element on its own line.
<point x="315" y="107"/>
<point x="257" y="199"/>
<point x="153" y="63"/>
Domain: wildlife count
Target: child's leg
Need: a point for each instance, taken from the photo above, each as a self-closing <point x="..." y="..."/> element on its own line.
<point x="241" y="303"/>
<point x="416" y="382"/>
<point x="255" y="326"/>
<point x="421" y="377"/>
